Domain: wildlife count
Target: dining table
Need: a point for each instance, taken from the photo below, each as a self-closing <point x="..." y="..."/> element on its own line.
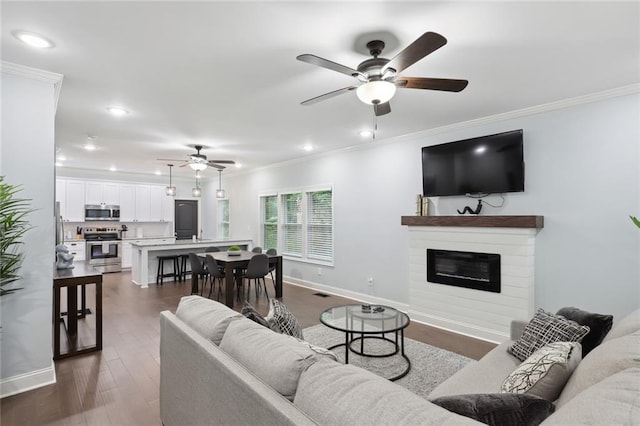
<point x="233" y="266"/>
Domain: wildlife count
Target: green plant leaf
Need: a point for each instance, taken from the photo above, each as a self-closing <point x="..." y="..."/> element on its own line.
<point x="635" y="220"/>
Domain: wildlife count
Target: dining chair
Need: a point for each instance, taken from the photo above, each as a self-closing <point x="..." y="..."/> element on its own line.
<point x="214" y="273"/>
<point x="198" y="268"/>
<point x="257" y="269"/>
<point x="272" y="265"/>
<point x="256" y="250"/>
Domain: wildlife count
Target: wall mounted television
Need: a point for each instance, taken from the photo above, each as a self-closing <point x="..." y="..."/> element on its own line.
<point x="481" y="165"/>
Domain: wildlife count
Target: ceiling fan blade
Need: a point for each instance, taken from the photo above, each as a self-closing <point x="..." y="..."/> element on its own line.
<point x="169" y="159"/>
<point x="382" y="109"/>
<point x="445" y="84"/>
<point x="222" y="162"/>
<point x="325" y="63"/>
<point x="328" y="95"/>
<point x="421" y="47"/>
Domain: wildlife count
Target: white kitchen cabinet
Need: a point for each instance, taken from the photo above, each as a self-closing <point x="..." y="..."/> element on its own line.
<point x="78" y="249"/>
<point x="127" y="203"/>
<point x="167" y="207"/>
<point x="70" y="194"/>
<point x="97" y="192"/>
<point x="155" y="203"/>
<point x="127" y="254"/>
<point x="143" y="208"/>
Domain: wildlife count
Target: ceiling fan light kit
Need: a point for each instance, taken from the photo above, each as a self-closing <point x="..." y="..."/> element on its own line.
<point x="376" y="92"/>
<point x="198" y="166"/>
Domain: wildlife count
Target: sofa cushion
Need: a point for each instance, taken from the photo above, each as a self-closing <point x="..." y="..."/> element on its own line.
<point x="250" y="312"/>
<point x="613" y="401"/>
<point x="545" y="328"/>
<point x="605" y="360"/>
<point x="339" y="394"/>
<point x="206" y="316"/>
<point x="281" y="320"/>
<point x="499" y="409"/>
<point x="627" y="325"/>
<point x="599" y="325"/>
<point x="484" y="376"/>
<point x="275" y="358"/>
<point x="544" y="373"/>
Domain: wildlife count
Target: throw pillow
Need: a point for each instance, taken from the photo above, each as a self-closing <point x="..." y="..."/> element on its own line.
<point x="281" y="320"/>
<point x="250" y="312"/>
<point x="503" y="409"/>
<point x="599" y="325"/>
<point x="544" y="373"/>
<point x="545" y="328"/>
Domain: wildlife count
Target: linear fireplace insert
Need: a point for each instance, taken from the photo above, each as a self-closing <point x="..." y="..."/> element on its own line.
<point x="479" y="271"/>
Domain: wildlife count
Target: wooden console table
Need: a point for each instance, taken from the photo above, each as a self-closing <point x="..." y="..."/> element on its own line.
<point x="81" y="275"/>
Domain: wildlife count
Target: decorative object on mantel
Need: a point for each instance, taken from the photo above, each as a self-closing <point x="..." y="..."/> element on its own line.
<point x="64" y="259"/>
<point x="476" y="221"/>
<point x="422" y="205"/>
<point x="467" y="209"/>
<point x="13" y="226"/>
<point x="233" y="251"/>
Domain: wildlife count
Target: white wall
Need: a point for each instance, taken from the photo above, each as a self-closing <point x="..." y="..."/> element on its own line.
<point x="28" y="109"/>
<point x="582" y="168"/>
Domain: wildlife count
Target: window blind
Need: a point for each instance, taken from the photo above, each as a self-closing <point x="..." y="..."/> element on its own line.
<point x="320" y="225"/>
<point x="292" y="224"/>
<point x="269" y="208"/>
<point x="223" y="219"/>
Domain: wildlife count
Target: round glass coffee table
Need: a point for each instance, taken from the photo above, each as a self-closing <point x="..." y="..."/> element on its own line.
<point x="362" y="322"/>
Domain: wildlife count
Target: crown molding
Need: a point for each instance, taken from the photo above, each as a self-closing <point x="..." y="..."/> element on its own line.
<point x="35" y="74"/>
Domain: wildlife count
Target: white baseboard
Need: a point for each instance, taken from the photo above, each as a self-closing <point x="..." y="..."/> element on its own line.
<point x="28" y="381"/>
<point x="433" y="321"/>
<point x="360" y="297"/>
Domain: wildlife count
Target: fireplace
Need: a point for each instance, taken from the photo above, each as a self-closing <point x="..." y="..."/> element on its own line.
<point x="479" y="271"/>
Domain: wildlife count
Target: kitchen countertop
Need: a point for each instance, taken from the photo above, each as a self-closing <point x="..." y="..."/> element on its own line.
<point x="189" y="243"/>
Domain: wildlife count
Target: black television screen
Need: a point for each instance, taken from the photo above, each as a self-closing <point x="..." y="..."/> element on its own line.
<point x="482" y="165"/>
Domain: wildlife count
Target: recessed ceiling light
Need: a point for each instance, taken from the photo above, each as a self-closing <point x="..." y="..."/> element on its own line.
<point x="33" y="39"/>
<point x="117" y="111"/>
<point x="238" y="165"/>
<point x="90" y="147"/>
<point x="158" y="173"/>
<point x="308" y="147"/>
<point x="61" y="158"/>
<point x="113" y="168"/>
<point x="365" y="133"/>
<point x="58" y="164"/>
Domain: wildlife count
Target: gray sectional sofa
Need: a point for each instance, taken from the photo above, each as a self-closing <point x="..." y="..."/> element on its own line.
<point x="218" y="367"/>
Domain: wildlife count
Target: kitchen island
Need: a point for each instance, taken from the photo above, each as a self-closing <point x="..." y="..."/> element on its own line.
<point x="145" y="255"/>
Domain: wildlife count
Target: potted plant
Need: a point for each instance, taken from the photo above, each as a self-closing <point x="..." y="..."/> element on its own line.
<point x="635" y="220"/>
<point x="13" y="226"/>
<point x="233" y="251"/>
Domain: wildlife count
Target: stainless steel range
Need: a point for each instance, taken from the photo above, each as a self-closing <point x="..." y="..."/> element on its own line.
<point x="104" y="249"/>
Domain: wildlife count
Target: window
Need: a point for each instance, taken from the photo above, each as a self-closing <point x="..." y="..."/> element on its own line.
<point x="292" y="224"/>
<point x="320" y="225"/>
<point x="299" y="224"/>
<point x="269" y="207"/>
<point x="223" y="219"/>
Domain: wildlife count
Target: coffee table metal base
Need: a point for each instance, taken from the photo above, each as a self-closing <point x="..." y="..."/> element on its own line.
<point x="350" y="340"/>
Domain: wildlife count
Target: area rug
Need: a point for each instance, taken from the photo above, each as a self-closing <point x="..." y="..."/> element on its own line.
<point x="430" y="366"/>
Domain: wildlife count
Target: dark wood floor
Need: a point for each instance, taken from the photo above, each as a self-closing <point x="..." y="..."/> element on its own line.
<point x="120" y="384"/>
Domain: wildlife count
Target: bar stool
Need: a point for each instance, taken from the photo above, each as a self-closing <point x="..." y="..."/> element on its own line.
<point x="184" y="263"/>
<point x="161" y="274"/>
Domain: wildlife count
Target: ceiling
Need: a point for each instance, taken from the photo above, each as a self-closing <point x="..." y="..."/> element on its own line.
<point x="225" y="75"/>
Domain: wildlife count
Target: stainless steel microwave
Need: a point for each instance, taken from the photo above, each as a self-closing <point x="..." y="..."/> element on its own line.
<point x="101" y="212"/>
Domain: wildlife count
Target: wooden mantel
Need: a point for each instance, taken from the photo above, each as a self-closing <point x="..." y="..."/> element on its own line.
<point x="479" y="221"/>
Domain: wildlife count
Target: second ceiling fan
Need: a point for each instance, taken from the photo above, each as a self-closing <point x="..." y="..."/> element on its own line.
<point x="378" y="77"/>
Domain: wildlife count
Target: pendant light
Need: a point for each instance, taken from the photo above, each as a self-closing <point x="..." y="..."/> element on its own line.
<point x="220" y="191"/>
<point x="170" y="190"/>
<point x="196" y="192"/>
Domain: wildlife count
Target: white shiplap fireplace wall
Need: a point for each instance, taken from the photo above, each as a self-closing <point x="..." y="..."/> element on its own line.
<point x="481" y="314"/>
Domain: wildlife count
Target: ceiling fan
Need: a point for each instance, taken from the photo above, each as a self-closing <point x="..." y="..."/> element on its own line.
<point x="199" y="161"/>
<point x="378" y="77"/>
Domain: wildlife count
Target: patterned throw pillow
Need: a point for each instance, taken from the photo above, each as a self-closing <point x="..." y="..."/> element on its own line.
<point x="545" y="373"/>
<point x="281" y="320"/>
<point x="545" y="328"/>
<point x="250" y="312"/>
